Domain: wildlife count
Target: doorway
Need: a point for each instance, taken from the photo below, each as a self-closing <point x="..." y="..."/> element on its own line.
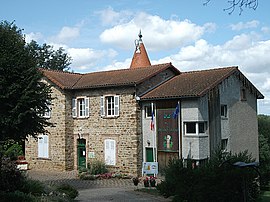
<point x="81" y="153"/>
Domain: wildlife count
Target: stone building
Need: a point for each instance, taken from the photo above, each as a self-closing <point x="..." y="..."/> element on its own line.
<point x="144" y="113"/>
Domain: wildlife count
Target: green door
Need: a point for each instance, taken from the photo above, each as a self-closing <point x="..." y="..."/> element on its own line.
<point x="149" y="155"/>
<point x="81" y="153"/>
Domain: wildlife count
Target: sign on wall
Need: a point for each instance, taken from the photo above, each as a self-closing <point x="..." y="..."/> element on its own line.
<point x="150" y="168"/>
<point x="167" y="129"/>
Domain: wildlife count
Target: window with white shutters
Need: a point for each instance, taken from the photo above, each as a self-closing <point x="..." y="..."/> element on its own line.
<point x="110" y="106"/>
<point x="43" y="146"/>
<point x="110" y="152"/>
<point x="80" y="107"/>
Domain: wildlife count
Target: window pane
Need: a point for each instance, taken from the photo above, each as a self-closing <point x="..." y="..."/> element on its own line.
<point x="110" y="105"/>
<point x="191" y="127"/>
<point x="223" y="110"/>
<point x="202" y="127"/>
<point x="81" y="103"/>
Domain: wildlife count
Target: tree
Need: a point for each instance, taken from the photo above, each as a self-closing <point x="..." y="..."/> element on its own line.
<point x="48" y="58"/>
<point x="242" y="4"/>
<point x="264" y="145"/>
<point x="23" y="97"/>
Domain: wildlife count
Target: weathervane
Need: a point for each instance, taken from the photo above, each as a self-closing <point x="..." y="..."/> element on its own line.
<point x="137" y="42"/>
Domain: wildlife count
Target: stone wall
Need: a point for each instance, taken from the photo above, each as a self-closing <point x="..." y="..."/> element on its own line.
<point x="56" y="138"/>
<point x="125" y="130"/>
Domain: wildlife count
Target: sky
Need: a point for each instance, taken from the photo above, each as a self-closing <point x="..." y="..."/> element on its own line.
<point x="99" y="35"/>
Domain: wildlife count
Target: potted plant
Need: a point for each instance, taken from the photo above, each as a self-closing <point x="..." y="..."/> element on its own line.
<point x="146" y="182"/>
<point x="152" y="181"/>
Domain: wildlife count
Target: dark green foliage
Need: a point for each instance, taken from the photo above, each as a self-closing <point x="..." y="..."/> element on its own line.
<point x="11" y="178"/>
<point x="217" y="180"/>
<point x="34" y="187"/>
<point x="16" y="196"/>
<point x="23" y="97"/>
<point x="264" y="126"/>
<point x="12" y="149"/>
<point x="70" y="191"/>
<point x="48" y="58"/>
<point x="264" y="146"/>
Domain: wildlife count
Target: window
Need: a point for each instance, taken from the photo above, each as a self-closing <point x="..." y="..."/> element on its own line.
<point x="223" y="111"/>
<point x="80" y="107"/>
<point x="47" y="113"/>
<point x="224" y="144"/>
<point x="195" y="128"/>
<point x="43" y="146"/>
<point x="243" y="94"/>
<point x="110" y="152"/>
<point x="109" y="106"/>
<point x="191" y="127"/>
<point x="148" y="111"/>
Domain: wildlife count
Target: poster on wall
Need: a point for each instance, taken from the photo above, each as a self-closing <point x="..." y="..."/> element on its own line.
<point x="167" y="129"/>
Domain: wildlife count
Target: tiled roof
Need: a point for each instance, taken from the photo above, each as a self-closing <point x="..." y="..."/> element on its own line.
<point x="123" y="77"/>
<point x="192" y="84"/>
<point x="61" y="78"/>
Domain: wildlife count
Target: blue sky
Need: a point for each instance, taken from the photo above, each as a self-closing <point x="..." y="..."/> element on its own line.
<point x="99" y="35"/>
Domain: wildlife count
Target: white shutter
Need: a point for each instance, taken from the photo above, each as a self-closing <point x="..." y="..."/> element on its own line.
<point x="87" y="107"/>
<point x="74" y="107"/>
<point x="110" y="152"/>
<point x="43" y="146"/>
<point x="102" y="110"/>
<point x="40" y="146"/>
<point x="116" y="105"/>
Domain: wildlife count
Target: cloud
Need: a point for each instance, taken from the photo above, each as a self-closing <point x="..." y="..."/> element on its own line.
<point x="33" y="36"/>
<point x="110" y="17"/>
<point x="84" y="58"/>
<point x="240" y="26"/>
<point x="168" y="34"/>
<point x="66" y="34"/>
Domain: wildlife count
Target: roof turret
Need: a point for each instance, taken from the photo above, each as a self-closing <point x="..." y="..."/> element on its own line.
<point x="140" y="57"/>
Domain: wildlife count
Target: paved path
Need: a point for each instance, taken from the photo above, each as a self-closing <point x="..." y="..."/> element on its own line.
<point x="96" y="190"/>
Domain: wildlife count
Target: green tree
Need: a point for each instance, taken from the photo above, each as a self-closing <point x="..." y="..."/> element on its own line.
<point x="264" y="147"/>
<point x="23" y="97"/>
<point x="48" y="58"/>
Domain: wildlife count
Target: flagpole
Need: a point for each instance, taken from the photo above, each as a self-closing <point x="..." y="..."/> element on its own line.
<point x="152" y="109"/>
<point x="179" y="129"/>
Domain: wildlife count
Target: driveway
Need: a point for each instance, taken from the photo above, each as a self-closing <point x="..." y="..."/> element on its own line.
<point x="97" y="190"/>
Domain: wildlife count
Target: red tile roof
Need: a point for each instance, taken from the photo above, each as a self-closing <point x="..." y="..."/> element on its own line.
<point x="140" y="59"/>
<point x="192" y="84"/>
<point x="123" y="77"/>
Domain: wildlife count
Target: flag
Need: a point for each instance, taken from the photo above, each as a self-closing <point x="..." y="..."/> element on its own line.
<point x="152" y="124"/>
<point x="176" y="111"/>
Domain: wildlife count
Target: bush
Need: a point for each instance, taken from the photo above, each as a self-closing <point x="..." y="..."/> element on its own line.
<point x="217" y="180"/>
<point x="34" y="187"/>
<point x="96" y="167"/>
<point x="70" y="191"/>
<point x="11" y="178"/>
<point x="16" y="196"/>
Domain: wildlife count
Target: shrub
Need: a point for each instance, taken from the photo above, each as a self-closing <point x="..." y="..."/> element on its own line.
<point x="11" y="178"/>
<point x="96" y="167"/>
<point x="16" y="196"/>
<point x="34" y="187"/>
<point x="70" y="191"/>
<point x="217" y="180"/>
